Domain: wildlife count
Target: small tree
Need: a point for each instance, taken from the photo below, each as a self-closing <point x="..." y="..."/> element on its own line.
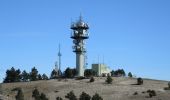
<point x="130" y="74"/>
<point x="89" y="73"/>
<point x="70" y="73"/>
<point x="97" y="97"/>
<point x="18" y="75"/>
<point x="34" y="74"/>
<point x="36" y="94"/>
<point x="92" y="79"/>
<point x="151" y="93"/>
<point x="167" y="88"/>
<point x="39" y="77"/>
<point x="59" y="98"/>
<point x="0" y="89"/>
<point x="43" y="97"/>
<point x="139" y="81"/>
<point x="169" y="84"/>
<point x="54" y="74"/>
<point x="112" y="73"/>
<point x="85" y="96"/>
<point x="71" y="96"/>
<point x="119" y="72"/>
<point x="20" y="95"/>
<point x="109" y="79"/>
<point x="44" y="77"/>
<point x="74" y="72"/>
<point x="25" y="76"/>
<point x="12" y="75"/>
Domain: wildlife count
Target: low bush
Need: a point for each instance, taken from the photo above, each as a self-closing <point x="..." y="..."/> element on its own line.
<point x="169" y="84"/>
<point x="167" y="88"/>
<point x="143" y="92"/>
<point x="38" y="96"/>
<point x="139" y="81"/>
<point x="97" y="97"/>
<point x="85" y="96"/>
<point x="59" y="98"/>
<point x="92" y="79"/>
<point x="135" y="93"/>
<point x="130" y="74"/>
<point x="20" y="95"/>
<point x="71" y="96"/>
<point x="109" y="79"/>
<point x="151" y="93"/>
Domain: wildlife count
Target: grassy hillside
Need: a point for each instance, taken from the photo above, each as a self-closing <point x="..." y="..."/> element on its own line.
<point x="121" y="89"/>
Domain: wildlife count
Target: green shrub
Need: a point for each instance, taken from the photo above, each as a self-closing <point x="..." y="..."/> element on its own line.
<point x="54" y="74"/>
<point x="43" y="97"/>
<point x="33" y="74"/>
<point x="20" y="95"/>
<point x="89" y="73"/>
<point x="92" y="79"/>
<point x="35" y="93"/>
<point x="143" y="92"/>
<point x="109" y="79"/>
<point x="44" y="77"/>
<point x="130" y="74"/>
<point x="97" y="97"/>
<point x="118" y="72"/>
<point x="59" y="98"/>
<point x="151" y="93"/>
<point x="139" y="81"/>
<point x="71" y="96"/>
<point x="37" y="96"/>
<point x="166" y="88"/>
<point x="135" y="93"/>
<point x="12" y="75"/>
<point x="85" y="96"/>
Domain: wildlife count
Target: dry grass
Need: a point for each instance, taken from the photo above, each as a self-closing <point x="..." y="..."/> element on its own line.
<point x="120" y="89"/>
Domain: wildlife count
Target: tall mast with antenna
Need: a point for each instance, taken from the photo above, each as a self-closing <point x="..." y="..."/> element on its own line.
<point x="79" y="35"/>
<point x="59" y="60"/>
<point x="56" y="66"/>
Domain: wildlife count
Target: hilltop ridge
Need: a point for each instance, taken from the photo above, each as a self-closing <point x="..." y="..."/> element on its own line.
<point x="122" y="88"/>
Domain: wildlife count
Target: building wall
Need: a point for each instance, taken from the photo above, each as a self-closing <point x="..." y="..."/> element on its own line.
<point x="101" y="69"/>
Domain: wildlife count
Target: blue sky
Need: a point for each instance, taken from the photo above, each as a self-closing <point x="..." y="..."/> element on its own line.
<point x="129" y="34"/>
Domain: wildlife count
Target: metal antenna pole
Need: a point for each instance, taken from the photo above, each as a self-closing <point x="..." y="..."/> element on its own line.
<point x="59" y="57"/>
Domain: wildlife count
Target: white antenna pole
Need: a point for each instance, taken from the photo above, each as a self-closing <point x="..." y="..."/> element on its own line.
<point x="103" y="59"/>
<point x="98" y="59"/>
<point x="80" y="18"/>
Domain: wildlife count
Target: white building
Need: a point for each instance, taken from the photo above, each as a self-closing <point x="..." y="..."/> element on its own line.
<point x="101" y="69"/>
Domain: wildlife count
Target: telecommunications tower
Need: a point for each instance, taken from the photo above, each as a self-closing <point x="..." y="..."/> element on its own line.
<point x="79" y="34"/>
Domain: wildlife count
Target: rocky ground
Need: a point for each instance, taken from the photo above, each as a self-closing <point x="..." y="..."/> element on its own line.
<point x="121" y="89"/>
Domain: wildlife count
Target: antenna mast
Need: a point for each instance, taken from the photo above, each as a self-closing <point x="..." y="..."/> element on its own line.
<point x="79" y="35"/>
<point x="59" y="59"/>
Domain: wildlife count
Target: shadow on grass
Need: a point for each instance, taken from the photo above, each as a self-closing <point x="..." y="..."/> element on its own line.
<point x="166" y="88"/>
<point x="136" y="84"/>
